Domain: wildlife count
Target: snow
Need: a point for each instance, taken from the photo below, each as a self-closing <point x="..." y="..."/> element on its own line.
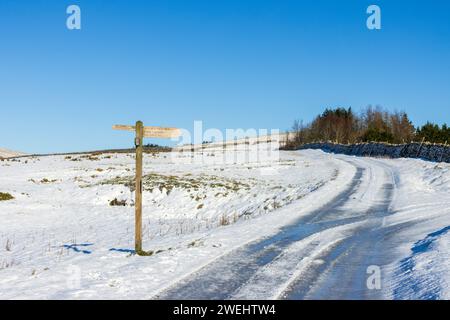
<point x="61" y="239"/>
<point x="5" y="153"/>
<point x="423" y="272"/>
<point x="272" y="280"/>
<point x="73" y="210"/>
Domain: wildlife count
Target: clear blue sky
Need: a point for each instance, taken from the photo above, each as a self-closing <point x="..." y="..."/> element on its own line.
<point x="230" y="63"/>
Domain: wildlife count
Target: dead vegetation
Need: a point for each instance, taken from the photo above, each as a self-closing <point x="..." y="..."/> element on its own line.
<point x="169" y="182"/>
<point x="224" y="220"/>
<point x="7" y="264"/>
<point x="8" y="245"/>
<point x="90" y="157"/>
<point x="196" y="243"/>
<point x="5" y="196"/>
<point x="118" y="203"/>
<point x="43" y="181"/>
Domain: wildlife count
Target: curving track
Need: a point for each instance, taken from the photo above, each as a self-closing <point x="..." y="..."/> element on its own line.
<point x="324" y="255"/>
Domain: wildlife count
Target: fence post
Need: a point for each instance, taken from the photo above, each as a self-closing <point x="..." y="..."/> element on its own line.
<point x="443" y="151"/>
<point x="138" y="201"/>
<point x="420" y="147"/>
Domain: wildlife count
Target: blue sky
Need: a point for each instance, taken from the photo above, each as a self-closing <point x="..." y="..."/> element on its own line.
<point x="231" y="64"/>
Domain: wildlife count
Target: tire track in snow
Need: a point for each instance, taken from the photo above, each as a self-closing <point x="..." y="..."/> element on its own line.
<point x="222" y="277"/>
<point x="344" y="273"/>
<point x="323" y="255"/>
<point x="295" y="272"/>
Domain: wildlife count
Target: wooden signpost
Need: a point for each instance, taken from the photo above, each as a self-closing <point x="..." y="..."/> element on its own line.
<point x="141" y="133"/>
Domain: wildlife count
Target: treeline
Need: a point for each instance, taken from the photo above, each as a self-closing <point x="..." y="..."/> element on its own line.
<point x="342" y="125"/>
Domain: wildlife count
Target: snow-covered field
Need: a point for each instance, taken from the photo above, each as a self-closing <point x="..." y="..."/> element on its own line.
<point x="5" y="153"/>
<point x="60" y="237"/>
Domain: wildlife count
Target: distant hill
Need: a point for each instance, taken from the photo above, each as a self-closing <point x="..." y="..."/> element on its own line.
<point x="5" y="153"/>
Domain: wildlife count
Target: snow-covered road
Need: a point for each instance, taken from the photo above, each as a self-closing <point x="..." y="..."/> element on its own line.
<point x="329" y="254"/>
<point x="323" y="255"/>
<point x="310" y="225"/>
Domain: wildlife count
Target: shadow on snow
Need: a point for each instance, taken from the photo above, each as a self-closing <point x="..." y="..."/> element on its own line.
<point x="75" y="247"/>
<point x="412" y="286"/>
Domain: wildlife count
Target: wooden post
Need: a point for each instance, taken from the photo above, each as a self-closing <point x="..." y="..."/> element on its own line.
<point x="138" y="200"/>
<point x="141" y="132"/>
<point x="420" y="147"/>
<point x="443" y="151"/>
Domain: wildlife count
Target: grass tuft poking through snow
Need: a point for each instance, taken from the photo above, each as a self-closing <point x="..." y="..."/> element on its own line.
<point x="187" y="182"/>
<point x="118" y="203"/>
<point x="5" y="196"/>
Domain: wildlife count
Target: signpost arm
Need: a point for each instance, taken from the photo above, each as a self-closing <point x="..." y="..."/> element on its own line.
<point x="138" y="200"/>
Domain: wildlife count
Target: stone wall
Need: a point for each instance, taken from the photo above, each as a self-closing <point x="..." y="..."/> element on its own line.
<point x="425" y="151"/>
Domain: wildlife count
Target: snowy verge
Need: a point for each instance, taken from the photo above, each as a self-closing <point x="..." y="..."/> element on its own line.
<point x="421" y="264"/>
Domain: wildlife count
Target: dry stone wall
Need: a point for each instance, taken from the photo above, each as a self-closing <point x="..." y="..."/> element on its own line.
<point x="426" y="151"/>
